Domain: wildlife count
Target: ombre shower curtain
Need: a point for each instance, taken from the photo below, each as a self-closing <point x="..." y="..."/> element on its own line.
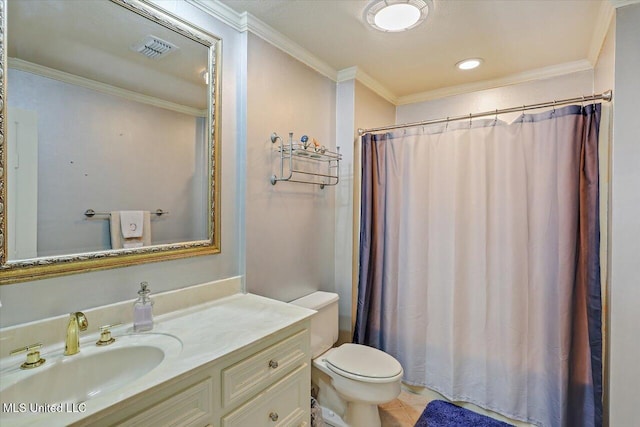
<point x="479" y="262"/>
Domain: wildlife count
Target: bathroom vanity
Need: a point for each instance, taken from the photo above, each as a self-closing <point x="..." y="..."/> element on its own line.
<point x="236" y="360"/>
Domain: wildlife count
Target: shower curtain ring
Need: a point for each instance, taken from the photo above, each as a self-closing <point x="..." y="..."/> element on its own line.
<point x="554" y="107"/>
<point x="495" y="119"/>
<point x="446" y="125"/>
<point x="470" y="116"/>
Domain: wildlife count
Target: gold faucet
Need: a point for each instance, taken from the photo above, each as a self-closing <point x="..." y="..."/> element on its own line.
<point x="77" y="322"/>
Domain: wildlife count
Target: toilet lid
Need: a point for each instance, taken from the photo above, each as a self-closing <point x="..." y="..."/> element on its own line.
<point x="363" y="361"/>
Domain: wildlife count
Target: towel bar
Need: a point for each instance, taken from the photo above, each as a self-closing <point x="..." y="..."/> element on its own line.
<point x="90" y="213"/>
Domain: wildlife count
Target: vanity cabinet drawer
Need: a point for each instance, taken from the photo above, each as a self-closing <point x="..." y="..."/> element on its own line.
<point x="190" y="407"/>
<point x="284" y="404"/>
<point x="251" y="375"/>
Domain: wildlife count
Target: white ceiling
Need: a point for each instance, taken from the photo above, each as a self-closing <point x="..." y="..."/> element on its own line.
<point x="516" y="39"/>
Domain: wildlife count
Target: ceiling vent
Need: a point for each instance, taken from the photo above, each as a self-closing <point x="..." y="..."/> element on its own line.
<point x="153" y="47"/>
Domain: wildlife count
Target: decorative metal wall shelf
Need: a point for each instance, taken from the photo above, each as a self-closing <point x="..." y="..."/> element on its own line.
<point x="327" y="163"/>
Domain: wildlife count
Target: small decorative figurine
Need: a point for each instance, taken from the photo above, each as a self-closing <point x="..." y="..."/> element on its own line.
<point x="305" y="141"/>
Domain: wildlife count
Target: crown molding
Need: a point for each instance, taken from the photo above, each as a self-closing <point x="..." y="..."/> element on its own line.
<point x="355" y="73"/>
<point x="376" y="86"/>
<point x="605" y="15"/>
<point x="347" y="74"/>
<point x="288" y="46"/>
<point x="220" y="11"/>
<point x="51" y="73"/>
<point x="537" y="74"/>
<point x="620" y="3"/>
<point x="246" y="22"/>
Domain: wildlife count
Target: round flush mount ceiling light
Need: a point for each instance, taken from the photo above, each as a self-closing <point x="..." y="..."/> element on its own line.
<point x="396" y="15"/>
<point x="469" y="64"/>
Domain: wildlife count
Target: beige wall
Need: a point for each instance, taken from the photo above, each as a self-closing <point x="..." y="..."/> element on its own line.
<point x="567" y="86"/>
<point x="289" y="226"/>
<point x="603" y="73"/>
<point x="625" y="227"/>
<point x="603" y="80"/>
<point x="357" y="107"/>
<point x="345" y="128"/>
<point x="371" y="110"/>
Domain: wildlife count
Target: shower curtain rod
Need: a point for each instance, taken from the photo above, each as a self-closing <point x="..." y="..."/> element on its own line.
<point x="604" y="96"/>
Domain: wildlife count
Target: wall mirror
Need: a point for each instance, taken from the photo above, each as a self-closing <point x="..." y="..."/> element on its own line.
<point x="106" y="106"/>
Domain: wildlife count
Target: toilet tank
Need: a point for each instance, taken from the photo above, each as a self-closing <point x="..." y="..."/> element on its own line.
<point x="324" y="324"/>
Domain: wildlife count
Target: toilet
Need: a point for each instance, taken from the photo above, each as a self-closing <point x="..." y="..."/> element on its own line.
<point x="353" y="379"/>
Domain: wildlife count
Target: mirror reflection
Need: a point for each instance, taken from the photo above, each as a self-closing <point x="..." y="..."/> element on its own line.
<point x="106" y="110"/>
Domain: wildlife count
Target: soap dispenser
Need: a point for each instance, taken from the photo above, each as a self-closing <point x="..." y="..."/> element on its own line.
<point x="143" y="310"/>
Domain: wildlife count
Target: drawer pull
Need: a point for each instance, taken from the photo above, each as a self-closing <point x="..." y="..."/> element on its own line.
<point x="273" y="364"/>
<point x="273" y="416"/>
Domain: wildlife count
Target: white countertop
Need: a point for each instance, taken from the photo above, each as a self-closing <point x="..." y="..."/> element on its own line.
<point x="207" y="332"/>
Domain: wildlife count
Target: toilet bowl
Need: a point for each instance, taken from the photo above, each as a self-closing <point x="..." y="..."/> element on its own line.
<point x="354" y="379"/>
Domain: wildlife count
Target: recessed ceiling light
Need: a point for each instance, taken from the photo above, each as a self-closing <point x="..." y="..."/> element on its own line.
<point x="396" y="15"/>
<point x="469" y="64"/>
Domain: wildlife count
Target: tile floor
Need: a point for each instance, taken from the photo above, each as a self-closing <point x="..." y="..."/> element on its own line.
<point x="404" y="411"/>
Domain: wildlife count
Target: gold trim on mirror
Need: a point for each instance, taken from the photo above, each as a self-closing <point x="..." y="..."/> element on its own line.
<point x="45" y="267"/>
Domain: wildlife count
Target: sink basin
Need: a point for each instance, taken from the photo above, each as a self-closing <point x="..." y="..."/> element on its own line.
<point x="93" y="372"/>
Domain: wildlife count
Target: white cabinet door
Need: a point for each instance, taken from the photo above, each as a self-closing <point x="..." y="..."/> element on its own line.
<point x="286" y="403"/>
<point x="189" y="408"/>
<point x="256" y="372"/>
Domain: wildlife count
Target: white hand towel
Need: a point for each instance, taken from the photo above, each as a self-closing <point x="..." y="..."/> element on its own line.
<point x="119" y="242"/>
<point x="131" y="223"/>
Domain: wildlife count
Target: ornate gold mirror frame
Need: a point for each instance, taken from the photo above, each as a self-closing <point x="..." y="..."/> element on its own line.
<point x="44" y="267"/>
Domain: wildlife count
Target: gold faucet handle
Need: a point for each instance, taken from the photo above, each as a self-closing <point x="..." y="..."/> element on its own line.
<point x="105" y="334"/>
<point x="36" y="346"/>
<point x="83" y="323"/>
<point x="33" y="355"/>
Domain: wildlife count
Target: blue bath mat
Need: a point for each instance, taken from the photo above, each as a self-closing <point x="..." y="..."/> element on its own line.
<point x="439" y="413"/>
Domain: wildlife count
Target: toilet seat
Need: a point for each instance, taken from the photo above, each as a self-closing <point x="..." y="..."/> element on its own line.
<point x="362" y="363"/>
